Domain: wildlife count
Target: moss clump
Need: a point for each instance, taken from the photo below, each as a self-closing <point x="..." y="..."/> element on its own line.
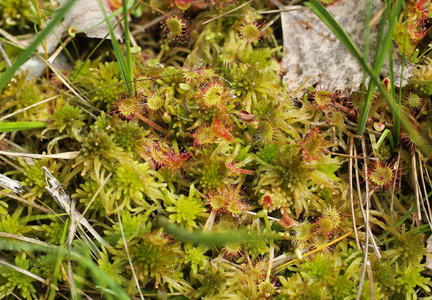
<point x="210" y="175"/>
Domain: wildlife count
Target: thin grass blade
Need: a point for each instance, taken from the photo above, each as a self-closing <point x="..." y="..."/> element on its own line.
<point x="16" y="126"/>
<point x="120" y="58"/>
<point x="384" y="48"/>
<point x="128" y="46"/>
<point x="197" y="237"/>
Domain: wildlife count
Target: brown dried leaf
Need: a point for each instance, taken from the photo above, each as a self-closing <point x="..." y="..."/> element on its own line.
<point x="83" y="15"/>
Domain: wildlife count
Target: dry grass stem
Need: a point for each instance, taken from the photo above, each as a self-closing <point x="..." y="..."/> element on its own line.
<point x="128" y="255"/>
<point x="351" y="191"/>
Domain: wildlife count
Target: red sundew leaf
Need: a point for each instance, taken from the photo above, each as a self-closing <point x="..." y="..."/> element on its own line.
<point x="221" y="131"/>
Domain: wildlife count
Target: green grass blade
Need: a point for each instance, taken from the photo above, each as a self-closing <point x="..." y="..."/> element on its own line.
<point x="382" y="138"/>
<point x="367" y="101"/>
<point x="15" y="126"/>
<point x="383" y="49"/>
<point x="128" y="46"/>
<point x="396" y="120"/>
<point x="106" y="285"/>
<point x="117" y="12"/>
<point x="120" y="58"/>
<point x="58" y="258"/>
<point x="24" y="56"/>
<point x="197" y="237"/>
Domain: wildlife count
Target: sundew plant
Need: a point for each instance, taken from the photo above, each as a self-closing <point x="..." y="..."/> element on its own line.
<point x="176" y="164"/>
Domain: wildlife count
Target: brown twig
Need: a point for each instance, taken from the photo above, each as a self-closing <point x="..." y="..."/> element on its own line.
<point x="318" y="249"/>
